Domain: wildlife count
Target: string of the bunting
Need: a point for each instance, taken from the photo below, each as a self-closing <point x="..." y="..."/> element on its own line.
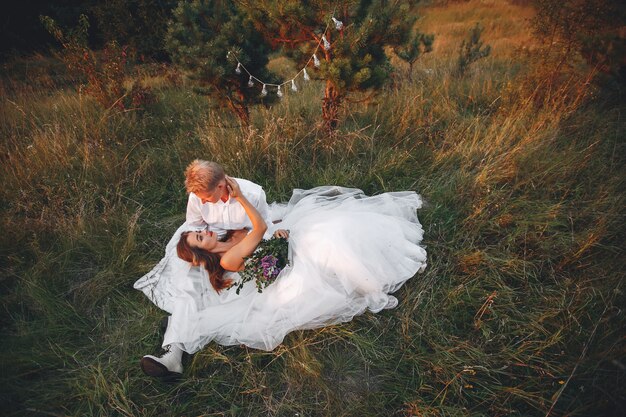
<point x="323" y="42"/>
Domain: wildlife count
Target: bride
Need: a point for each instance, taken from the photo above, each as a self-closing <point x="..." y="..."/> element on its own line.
<point x="347" y="253"/>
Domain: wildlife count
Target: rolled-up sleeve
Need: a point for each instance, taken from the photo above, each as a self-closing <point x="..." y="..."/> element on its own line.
<point x="194" y="213"/>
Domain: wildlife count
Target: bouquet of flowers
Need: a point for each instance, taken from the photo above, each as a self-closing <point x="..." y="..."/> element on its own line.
<point x="264" y="265"/>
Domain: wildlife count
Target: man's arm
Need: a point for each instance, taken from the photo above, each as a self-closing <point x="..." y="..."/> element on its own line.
<point x="194" y="215"/>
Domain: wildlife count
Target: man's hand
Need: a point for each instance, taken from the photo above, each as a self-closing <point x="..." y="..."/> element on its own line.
<point x="282" y="233"/>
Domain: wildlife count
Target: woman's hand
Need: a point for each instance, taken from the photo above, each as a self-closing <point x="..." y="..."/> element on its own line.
<point x="233" y="187"/>
<point x="282" y="233"/>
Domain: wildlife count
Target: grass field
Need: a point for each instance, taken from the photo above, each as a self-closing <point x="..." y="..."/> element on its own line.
<point x="520" y="311"/>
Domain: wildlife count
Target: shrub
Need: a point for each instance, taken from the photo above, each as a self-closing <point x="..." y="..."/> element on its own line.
<point x="591" y="29"/>
<point x="471" y="50"/>
<point x="416" y="47"/>
<point x="104" y="73"/>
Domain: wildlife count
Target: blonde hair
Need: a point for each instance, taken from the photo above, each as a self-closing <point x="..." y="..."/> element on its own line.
<point x="203" y="176"/>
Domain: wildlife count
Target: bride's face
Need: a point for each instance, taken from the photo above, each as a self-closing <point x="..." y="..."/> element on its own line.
<point x="205" y="240"/>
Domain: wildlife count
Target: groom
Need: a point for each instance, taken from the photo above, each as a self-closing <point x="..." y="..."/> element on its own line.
<point x="209" y="206"/>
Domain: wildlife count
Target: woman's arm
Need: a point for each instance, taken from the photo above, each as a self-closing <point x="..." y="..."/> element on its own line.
<point x="233" y="259"/>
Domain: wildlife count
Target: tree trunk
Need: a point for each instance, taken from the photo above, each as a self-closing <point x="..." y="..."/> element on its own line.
<point x="240" y="109"/>
<point x="332" y="98"/>
<point x="330" y="106"/>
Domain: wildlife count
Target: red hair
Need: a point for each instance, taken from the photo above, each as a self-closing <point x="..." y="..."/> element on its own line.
<point x="210" y="261"/>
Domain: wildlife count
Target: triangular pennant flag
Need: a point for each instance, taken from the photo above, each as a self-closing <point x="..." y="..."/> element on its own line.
<point x="326" y="43"/>
<point x="338" y="24"/>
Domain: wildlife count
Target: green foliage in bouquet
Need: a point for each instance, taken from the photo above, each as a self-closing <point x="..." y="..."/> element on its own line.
<point x="265" y="264"/>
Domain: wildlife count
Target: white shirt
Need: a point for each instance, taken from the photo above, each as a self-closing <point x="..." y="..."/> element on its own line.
<point x="230" y="215"/>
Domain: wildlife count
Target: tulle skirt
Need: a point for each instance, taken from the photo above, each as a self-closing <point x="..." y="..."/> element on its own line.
<point x="348" y="253"/>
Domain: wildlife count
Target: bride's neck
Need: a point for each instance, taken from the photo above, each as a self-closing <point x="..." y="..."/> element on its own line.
<point x="222" y="247"/>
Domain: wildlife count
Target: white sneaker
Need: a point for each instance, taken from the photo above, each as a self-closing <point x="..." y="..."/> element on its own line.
<point x="169" y="364"/>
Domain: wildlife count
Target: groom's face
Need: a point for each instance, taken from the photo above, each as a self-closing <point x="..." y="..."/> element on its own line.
<point x="212" y="196"/>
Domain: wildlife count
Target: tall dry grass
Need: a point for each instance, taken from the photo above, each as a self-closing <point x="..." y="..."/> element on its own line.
<point x="518" y="313"/>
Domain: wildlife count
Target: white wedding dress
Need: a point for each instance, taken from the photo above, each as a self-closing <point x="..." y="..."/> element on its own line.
<point x="348" y="253"/>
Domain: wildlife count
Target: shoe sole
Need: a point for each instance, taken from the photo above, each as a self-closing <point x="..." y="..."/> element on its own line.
<point x="153" y="368"/>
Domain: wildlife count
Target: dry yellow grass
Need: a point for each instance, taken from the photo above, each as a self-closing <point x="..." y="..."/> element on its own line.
<point x="523" y="224"/>
<point x="506" y="26"/>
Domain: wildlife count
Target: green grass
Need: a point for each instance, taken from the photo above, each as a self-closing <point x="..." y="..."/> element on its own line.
<point x="518" y="312"/>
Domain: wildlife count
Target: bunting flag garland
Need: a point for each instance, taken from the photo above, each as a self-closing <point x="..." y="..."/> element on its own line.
<point x="326" y="43"/>
<point x="323" y="42"/>
<point x="338" y="23"/>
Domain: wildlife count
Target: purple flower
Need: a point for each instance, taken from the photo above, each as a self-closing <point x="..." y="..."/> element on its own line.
<point x="268" y="262"/>
<point x="265" y="264"/>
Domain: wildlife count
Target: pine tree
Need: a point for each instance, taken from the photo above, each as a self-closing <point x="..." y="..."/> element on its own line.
<point x="356" y="32"/>
<point x="471" y="50"/>
<point x="199" y="39"/>
<point x="419" y="44"/>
